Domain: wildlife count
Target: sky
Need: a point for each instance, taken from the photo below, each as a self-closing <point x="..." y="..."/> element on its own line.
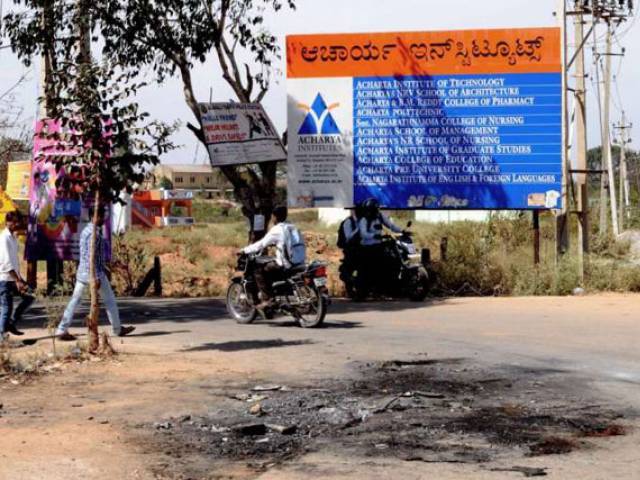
<point x="165" y="102"/>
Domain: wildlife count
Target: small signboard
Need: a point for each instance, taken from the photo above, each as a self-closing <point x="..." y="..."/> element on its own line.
<point x="426" y="120"/>
<point x="18" y="176"/>
<point x="240" y="133"/>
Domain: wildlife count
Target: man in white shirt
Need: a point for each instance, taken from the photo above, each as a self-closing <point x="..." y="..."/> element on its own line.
<point x="271" y="269"/>
<point x="11" y="282"/>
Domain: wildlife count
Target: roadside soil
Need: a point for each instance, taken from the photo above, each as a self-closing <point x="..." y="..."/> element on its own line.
<point x="376" y="400"/>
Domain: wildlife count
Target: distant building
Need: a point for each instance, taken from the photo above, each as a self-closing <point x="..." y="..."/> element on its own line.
<point x="190" y="177"/>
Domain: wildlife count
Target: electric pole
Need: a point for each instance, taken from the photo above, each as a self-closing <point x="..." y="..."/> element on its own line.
<point x="606" y="133"/>
<point x="613" y="13"/>
<point x="582" y="196"/>
<point x="604" y="223"/>
<point x="562" y="218"/>
<point x="622" y="139"/>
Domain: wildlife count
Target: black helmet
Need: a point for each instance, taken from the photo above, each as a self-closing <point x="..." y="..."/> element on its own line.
<point x="371" y="206"/>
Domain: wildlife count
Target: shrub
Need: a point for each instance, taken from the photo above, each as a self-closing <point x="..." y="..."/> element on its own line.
<point x="130" y="262"/>
<point x="216" y="211"/>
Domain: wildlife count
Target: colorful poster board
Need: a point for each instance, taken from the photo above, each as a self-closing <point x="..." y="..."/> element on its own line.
<point x="426" y="120"/>
<point x="6" y="206"/>
<point x="240" y="133"/>
<point x="55" y="223"/>
<point x="18" y="177"/>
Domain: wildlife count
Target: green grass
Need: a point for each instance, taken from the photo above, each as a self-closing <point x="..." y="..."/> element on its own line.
<point x="210" y="211"/>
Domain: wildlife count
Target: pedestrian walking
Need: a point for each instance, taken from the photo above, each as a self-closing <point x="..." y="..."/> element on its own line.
<point x="83" y="279"/>
<point x="11" y="282"/>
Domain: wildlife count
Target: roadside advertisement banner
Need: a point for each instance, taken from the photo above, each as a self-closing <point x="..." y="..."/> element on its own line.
<point x="426" y="120"/>
<point x="6" y="206"/>
<point x="55" y="223"/>
<point x="18" y="176"/>
<point x="240" y="133"/>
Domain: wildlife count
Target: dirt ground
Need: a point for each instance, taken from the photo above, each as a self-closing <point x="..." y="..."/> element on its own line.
<point x="461" y="388"/>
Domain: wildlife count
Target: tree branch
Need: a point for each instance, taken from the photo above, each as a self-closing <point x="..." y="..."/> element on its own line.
<point x="237" y="83"/>
<point x="226" y="74"/>
<point x="196" y="131"/>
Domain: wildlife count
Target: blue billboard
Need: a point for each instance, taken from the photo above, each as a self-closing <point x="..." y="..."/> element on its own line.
<point x="426" y="120"/>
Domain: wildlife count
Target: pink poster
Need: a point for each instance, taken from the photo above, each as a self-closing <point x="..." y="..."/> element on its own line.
<point x="55" y="222"/>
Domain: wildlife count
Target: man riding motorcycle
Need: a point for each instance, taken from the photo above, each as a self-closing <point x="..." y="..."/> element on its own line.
<point x="372" y="222"/>
<point x="288" y="254"/>
<point x="374" y="261"/>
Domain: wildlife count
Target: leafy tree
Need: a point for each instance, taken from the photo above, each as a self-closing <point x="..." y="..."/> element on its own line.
<point x="13" y="136"/>
<point x="172" y="36"/>
<point x="107" y="140"/>
<point x="165" y="183"/>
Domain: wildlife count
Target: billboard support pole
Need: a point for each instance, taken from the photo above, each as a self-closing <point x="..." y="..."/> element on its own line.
<point x="536" y="237"/>
<point x="562" y="224"/>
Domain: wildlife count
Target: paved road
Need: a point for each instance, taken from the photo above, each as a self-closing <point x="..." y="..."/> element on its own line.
<point x="193" y="349"/>
<point x="598" y="336"/>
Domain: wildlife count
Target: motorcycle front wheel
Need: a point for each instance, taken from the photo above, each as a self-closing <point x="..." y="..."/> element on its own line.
<point x="239" y="306"/>
<point x="313" y="308"/>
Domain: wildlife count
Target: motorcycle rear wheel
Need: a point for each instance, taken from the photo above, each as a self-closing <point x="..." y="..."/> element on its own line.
<point x="420" y="286"/>
<point x="239" y="306"/>
<point x="312" y="314"/>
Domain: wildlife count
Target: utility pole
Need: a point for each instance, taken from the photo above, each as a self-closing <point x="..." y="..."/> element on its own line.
<point x="604" y="221"/>
<point x="562" y="218"/>
<point x="582" y="195"/>
<point x="613" y="12"/>
<point x="623" y="140"/>
<point x="606" y="132"/>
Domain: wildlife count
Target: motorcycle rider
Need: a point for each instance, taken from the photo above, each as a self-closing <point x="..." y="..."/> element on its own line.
<point x="374" y="259"/>
<point x="272" y="269"/>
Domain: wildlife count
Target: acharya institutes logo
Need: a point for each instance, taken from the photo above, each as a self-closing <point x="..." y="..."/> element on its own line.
<point x="319" y="120"/>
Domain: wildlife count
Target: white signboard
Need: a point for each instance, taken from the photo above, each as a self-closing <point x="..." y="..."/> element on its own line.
<point x="239" y="133"/>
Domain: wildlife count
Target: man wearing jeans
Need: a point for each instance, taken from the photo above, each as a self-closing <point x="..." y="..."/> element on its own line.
<point x="11" y="283"/>
<point x="83" y="279"/>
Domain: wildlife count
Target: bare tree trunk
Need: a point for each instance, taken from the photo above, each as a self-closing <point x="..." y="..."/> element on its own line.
<point x="84" y="40"/>
<point x="94" y="310"/>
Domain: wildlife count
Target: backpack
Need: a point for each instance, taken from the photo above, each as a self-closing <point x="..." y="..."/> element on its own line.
<point x="342" y="238"/>
<point x="294" y="247"/>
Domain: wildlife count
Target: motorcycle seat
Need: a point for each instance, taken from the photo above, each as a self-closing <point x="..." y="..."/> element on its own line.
<point x="297" y="269"/>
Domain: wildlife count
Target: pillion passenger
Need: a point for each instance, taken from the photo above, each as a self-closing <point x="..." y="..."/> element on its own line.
<point x="349" y="241"/>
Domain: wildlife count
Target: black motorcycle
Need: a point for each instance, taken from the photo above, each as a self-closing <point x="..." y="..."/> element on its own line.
<point x="303" y="294"/>
<point x="403" y="273"/>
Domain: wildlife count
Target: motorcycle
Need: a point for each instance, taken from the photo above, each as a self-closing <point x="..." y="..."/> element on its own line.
<point x="303" y="294"/>
<point x="407" y="275"/>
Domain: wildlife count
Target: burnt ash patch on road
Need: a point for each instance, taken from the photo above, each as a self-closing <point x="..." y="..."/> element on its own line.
<point x="448" y="411"/>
